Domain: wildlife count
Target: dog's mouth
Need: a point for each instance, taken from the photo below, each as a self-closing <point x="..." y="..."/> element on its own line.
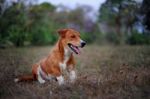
<point x="74" y="48"/>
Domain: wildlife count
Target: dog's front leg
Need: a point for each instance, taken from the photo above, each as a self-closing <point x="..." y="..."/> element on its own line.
<point x="71" y="72"/>
<point x="72" y="75"/>
<point x="60" y="80"/>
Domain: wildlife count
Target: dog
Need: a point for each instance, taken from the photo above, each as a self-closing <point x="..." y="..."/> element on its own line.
<point x="60" y="58"/>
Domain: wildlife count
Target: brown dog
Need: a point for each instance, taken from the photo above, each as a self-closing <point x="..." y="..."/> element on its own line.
<point x="61" y="57"/>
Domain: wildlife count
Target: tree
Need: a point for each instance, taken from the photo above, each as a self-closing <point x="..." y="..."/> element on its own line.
<point x="121" y="15"/>
<point x="146" y="12"/>
<point x="13" y="20"/>
<point x="22" y="23"/>
<point x="79" y="19"/>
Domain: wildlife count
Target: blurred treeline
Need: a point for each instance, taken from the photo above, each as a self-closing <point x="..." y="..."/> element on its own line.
<point x="24" y="22"/>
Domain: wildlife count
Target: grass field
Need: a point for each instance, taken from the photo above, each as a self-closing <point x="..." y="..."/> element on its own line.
<point x="104" y="72"/>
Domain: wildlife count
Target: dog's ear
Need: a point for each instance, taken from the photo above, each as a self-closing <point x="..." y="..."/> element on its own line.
<point x="62" y="32"/>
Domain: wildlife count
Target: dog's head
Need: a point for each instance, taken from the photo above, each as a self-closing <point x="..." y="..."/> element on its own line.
<point x="71" y="40"/>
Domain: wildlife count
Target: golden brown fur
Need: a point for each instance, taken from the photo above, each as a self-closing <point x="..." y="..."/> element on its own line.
<point x="51" y="64"/>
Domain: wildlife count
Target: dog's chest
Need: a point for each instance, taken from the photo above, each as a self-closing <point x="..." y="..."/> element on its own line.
<point x="67" y="55"/>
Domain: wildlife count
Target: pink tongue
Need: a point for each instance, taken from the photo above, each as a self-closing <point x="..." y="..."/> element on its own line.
<point x="77" y="50"/>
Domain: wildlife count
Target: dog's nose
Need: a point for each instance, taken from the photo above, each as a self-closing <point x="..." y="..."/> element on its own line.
<point x="83" y="43"/>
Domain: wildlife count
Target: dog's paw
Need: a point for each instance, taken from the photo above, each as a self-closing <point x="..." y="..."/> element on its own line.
<point x="41" y="81"/>
<point x="16" y="80"/>
<point x="60" y="80"/>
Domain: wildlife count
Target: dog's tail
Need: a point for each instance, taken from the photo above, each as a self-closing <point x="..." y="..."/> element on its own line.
<point x="30" y="77"/>
<point x="25" y="78"/>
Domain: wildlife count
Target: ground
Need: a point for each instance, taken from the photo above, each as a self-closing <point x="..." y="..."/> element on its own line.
<point x="104" y="72"/>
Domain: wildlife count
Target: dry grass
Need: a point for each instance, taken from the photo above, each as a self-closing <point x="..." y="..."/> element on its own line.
<point x="105" y="72"/>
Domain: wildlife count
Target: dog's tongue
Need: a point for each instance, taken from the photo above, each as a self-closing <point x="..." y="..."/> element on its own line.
<point x="77" y="50"/>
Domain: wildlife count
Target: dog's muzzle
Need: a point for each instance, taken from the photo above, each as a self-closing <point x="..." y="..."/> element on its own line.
<point x="83" y="43"/>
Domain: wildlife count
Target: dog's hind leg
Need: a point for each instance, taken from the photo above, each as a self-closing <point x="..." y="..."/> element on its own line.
<point x="39" y="76"/>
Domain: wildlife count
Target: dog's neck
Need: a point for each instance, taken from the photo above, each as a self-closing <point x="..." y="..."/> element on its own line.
<point x="67" y="54"/>
<point x="64" y="51"/>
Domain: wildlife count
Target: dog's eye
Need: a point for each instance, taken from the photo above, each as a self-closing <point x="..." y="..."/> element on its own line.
<point x="73" y="36"/>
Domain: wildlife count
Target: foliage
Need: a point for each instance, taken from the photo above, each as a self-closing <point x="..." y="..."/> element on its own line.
<point x="137" y="38"/>
<point x="20" y="24"/>
<point x="146" y="11"/>
<point x="112" y="38"/>
<point x="124" y="15"/>
<point x="34" y="24"/>
<point x="37" y="24"/>
<point x="12" y="23"/>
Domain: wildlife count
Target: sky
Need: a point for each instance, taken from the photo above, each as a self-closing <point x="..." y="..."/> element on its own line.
<point x="72" y="3"/>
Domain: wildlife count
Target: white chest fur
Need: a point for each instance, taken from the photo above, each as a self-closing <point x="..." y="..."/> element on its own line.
<point x="67" y="55"/>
